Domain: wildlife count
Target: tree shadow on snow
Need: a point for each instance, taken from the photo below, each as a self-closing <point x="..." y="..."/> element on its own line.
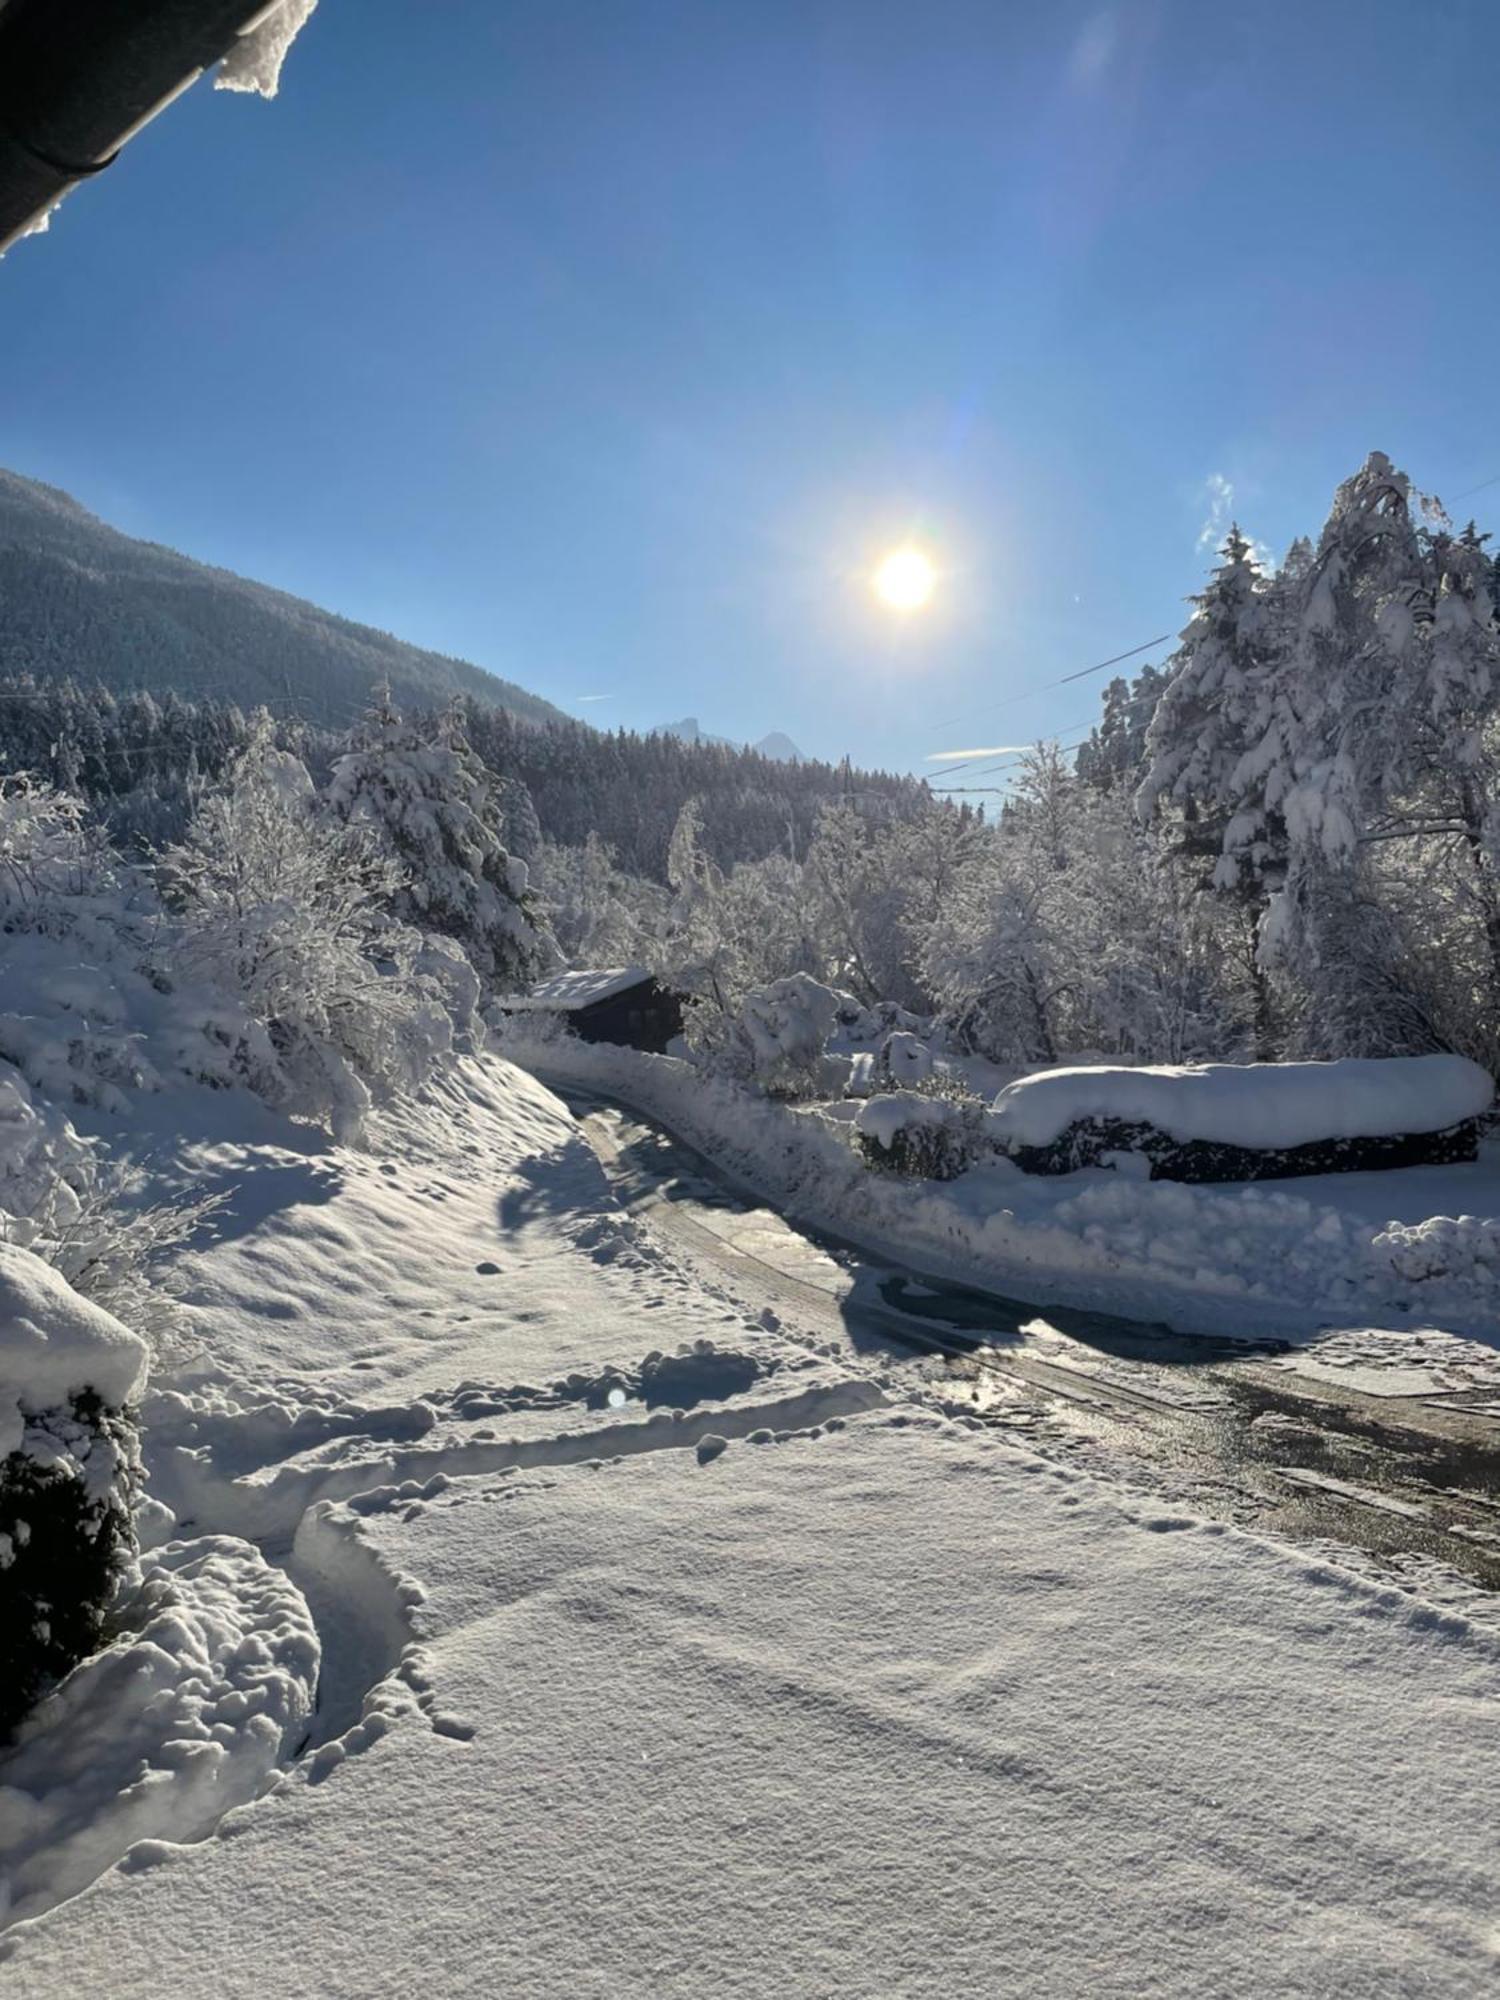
<point x="567" y="1183"/>
<point x="226" y="1146"/>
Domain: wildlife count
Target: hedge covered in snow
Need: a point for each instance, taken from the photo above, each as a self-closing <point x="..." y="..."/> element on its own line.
<point x="923" y="1134"/>
<point x="1255" y="1121"/>
<point x="69" y="1471"/>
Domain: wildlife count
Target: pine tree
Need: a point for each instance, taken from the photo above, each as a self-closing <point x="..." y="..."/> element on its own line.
<point x="1114" y="753"/>
<point x="1201" y="732"/>
<point x="1197" y="736"/>
<point x="435" y="808"/>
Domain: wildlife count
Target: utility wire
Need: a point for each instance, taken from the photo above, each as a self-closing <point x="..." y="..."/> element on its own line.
<point x="1049" y="736"/>
<point x="1062" y="681"/>
<point x="1468" y="490"/>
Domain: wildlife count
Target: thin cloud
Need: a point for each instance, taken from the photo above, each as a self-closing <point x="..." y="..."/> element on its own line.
<point x="1219" y="493"/>
<point x="578" y="700"/>
<point x="1094" y="49"/>
<point x="984" y="750"/>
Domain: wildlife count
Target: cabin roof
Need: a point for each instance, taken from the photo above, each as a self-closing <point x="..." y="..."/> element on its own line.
<point x="571" y="992"/>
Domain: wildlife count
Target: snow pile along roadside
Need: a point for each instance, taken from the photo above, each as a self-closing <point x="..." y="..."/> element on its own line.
<point x="158" y="1736"/>
<point x="1240" y="1260"/>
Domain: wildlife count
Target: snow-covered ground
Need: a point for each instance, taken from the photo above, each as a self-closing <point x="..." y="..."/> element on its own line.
<point x="1415" y="1250"/>
<point x="665" y="1647"/>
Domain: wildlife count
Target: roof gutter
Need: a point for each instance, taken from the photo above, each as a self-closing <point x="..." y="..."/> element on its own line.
<point x="79" y="78"/>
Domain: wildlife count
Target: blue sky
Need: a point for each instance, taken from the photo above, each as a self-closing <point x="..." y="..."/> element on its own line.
<point x="610" y="344"/>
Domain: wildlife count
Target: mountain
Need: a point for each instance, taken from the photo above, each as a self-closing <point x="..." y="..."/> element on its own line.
<point x="79" y="599"/>
<point x="777" y="746"/>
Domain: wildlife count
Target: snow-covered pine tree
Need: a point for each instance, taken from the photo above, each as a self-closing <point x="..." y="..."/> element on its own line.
<point x="434" y="806"/>
<point x="1324" y="741"/>
<point x="1449" y="738"/>
<point x="1197" y="737"/>
<point x="1216" y="705"/>
<point x="1379" y="691"/>
<point x="1114" y="753"/>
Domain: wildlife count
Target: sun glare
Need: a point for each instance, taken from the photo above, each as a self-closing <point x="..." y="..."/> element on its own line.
<point x="905" y="579"/>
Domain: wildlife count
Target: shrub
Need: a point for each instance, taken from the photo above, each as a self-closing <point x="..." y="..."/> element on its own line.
<point x="69" y="1473"/>
<point x="779" y="1038"/>
<point x="932" y="1134"/>
<point x="67" y="1493"/>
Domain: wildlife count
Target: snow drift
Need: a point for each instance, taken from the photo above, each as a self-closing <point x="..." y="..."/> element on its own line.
<point x="158" y="1736"/>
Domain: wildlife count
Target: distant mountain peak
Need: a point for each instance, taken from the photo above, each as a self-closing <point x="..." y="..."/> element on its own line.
<point x="777" y="745"/>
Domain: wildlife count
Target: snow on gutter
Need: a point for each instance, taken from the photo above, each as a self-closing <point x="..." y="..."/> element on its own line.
<point x="79" y="79"/>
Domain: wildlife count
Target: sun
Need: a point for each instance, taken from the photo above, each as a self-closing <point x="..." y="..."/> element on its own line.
<point x="905" y="579"/>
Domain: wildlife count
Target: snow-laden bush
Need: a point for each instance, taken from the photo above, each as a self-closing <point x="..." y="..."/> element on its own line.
<point x="786" y="1026"/>
<point x="69" y="1472"/>
<point x="279" y="912"/>
<point x="780" y="1034"/>
<point x="46" y="1169"/>
<point x="83" y="1215"/>
<point x="933" y="1134"/>
<point x="904" y="1060"/>
<point x="55" y="867"/>
<point x="121" y="1252"/>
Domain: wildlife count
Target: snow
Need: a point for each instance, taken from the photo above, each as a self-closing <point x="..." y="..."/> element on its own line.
<point x="156" y="1738"/>
<point x="906" y="1057"/>
<point x="1262" y="1105"/>
<point x="784" y="1029"/>
<point x="885" y="1707"/>
<point x="1293" y="1258"/>
<point x="567" y="992"/>
<point x="54" y="1343"/>
<point x="761" y="1675"/>
<point x="254" y="64"/>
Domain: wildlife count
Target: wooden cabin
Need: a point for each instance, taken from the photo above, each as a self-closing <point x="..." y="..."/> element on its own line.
<point x="626" y="1006"/>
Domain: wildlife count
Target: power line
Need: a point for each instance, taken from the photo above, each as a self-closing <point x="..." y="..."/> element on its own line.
<point x="1062" y="681"/>
<point x="1469" y="490"/>
<point x="1050" y="736"/>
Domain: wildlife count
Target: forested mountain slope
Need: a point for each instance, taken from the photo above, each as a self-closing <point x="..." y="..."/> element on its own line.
<point x="79" y="599"/>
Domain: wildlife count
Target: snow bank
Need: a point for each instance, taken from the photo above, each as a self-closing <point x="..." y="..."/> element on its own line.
<point x="158" y="1736"/>
<point x="1243" y="1260"/>
<point x="1259" y="1105"/>
<point x="54" y="1344"/>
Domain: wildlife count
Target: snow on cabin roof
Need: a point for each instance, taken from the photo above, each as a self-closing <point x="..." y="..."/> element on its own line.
<point x="568" y="992"/>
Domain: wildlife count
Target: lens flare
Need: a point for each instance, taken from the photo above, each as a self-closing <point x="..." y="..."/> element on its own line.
<point x="905" y="579"/>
